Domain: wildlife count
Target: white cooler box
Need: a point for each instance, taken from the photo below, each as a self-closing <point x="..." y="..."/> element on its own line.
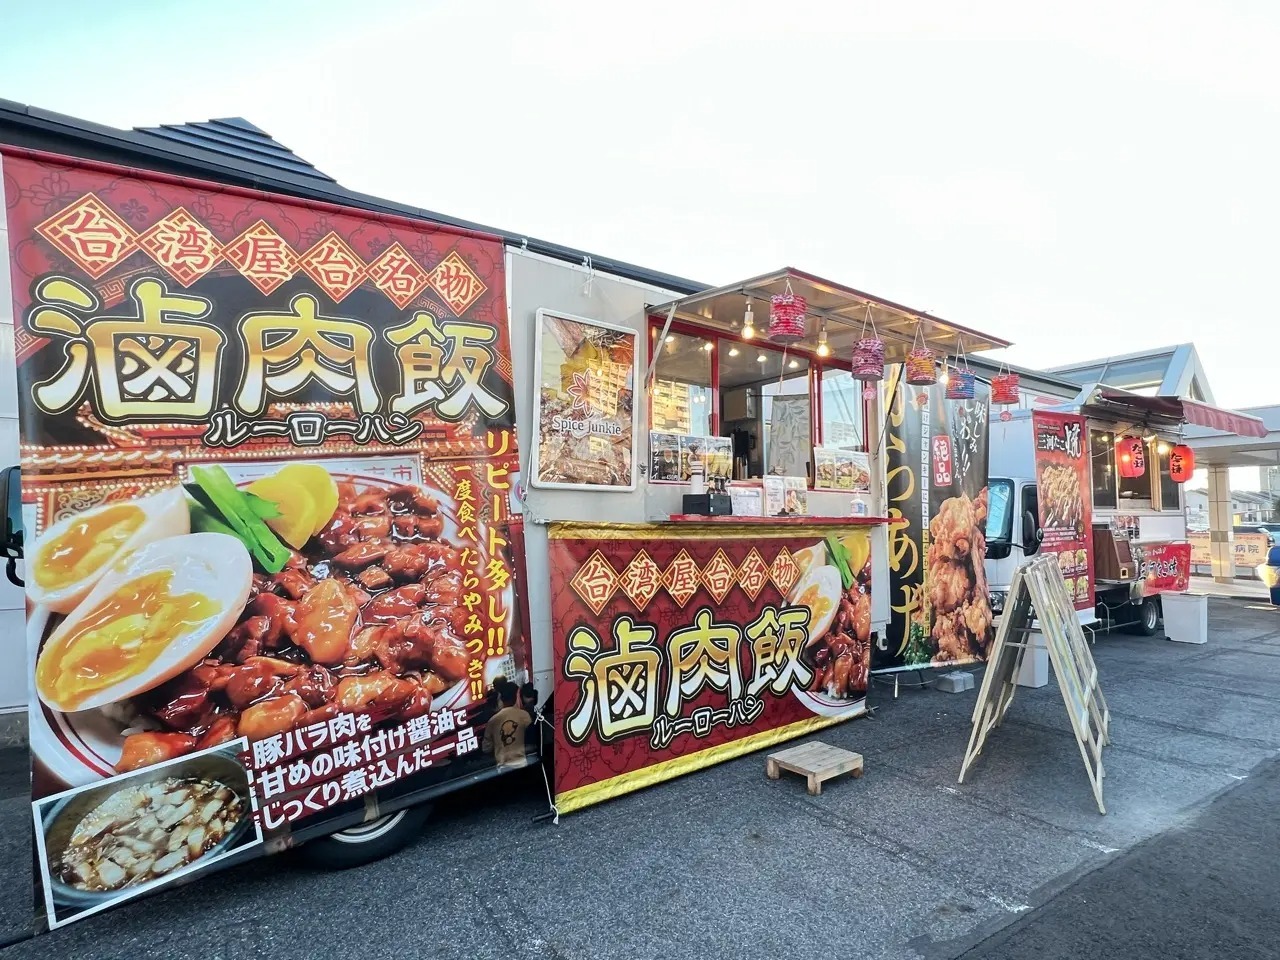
<point x="1186" y="617"/>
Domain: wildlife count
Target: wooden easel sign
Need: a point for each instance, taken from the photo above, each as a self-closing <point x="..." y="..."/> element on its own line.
<point x="1039" y="593"/>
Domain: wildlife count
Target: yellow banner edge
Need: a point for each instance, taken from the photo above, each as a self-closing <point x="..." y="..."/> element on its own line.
<point x="625" y="783"/>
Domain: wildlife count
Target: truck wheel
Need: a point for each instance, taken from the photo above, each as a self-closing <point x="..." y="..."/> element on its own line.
<point x="368" y="841"/>
<point x="1148" y="622"/>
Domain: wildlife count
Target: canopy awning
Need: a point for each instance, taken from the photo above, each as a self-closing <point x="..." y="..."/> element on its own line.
<point x="1188" y="411"/>
<point x="842" y="309"/>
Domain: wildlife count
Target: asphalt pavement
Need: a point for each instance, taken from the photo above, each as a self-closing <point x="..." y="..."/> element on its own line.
<point x="903" y="863"/>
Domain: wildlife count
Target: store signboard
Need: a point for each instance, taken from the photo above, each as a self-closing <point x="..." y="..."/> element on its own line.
<point x="268" y="446"/>
<point x="1163" y="567"/>
<point x="937" y="452"/>
<point x="584" y="404"/>
<point x="1062" y="479"/>
<point x="681" y="645"/>
<point x="1250" y="549"/>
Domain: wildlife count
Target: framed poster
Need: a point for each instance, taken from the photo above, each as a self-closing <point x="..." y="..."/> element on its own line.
<point x="584" y="435"/>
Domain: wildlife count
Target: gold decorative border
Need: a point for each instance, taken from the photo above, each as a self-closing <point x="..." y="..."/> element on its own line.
<point x="624" y="783"/>
<point x="682" y="530"/>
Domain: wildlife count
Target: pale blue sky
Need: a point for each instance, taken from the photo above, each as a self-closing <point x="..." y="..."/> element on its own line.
<point x="1095" y="181"/>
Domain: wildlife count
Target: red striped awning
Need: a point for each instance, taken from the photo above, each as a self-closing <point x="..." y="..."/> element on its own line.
<point x="1191" y="411"/>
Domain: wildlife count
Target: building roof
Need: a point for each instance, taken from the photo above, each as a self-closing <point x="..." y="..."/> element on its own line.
<point x="236" y="152"/>
<point x="236" y="138"/>
<point x="1173" y="371"/>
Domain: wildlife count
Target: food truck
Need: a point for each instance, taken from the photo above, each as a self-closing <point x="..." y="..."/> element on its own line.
<point x="1098" y="481"/>
<point x="312" y="494"/>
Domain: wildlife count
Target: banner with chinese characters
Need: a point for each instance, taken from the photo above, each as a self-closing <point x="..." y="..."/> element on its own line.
<point x="585" y="435"/>
<point x="680" y="645"/>
<point x="1163" y="567"/>
<point x="1065" y="502"/>
<point x="937" y="451"/>
<point x="269" y="446"/>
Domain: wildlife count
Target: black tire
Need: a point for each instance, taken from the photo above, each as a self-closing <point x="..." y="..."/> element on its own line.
<point x="367" y="842"/>
<point x="1148" y="622"/>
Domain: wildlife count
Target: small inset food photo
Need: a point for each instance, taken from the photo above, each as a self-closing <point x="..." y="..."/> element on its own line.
<point x="119" y="838"/>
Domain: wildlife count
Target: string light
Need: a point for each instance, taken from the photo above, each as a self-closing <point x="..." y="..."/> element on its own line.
<point x="748" y="323"/>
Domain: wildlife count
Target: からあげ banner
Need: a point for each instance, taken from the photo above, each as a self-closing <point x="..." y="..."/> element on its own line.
<point x="681" y="645"/>
<point x="1065" y="500"/>
<point x="267" y="446"/>
<point x="936" y="482"/>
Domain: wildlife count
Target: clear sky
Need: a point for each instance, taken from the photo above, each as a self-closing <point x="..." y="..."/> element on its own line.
<point x="1091" y="181"/>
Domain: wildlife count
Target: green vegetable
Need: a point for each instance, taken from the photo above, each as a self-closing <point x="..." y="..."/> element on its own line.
<point x="840" y="557"/>
<point x="218" y="497"/>
<point x="917" y="649"/>
<point x="203" y="520"/>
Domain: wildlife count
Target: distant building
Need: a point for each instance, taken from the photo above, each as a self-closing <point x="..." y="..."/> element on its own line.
<point x="1247" y="506"/>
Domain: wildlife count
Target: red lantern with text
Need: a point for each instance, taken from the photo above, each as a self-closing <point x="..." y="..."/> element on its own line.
<point x="1182" y="463"/>
<point x="1131" y="457"/>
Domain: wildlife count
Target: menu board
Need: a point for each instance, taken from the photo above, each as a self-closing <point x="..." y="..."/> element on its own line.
<point x="845" y="470"/>
<point x="1062" y="478"/>
<point x="269" y="448"/>
<point x="672" y="456"/>
<point x="586" y="436"/>
<point x="786" y="496"/>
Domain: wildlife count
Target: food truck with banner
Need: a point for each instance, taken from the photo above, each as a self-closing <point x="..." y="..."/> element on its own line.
<point x="284" y="550"/>
<point x="1098" y="482"/>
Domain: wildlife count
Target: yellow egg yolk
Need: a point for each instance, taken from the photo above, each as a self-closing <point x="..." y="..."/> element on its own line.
<point x="88" y="543"/>
<point x="119" y="638"/>
<point x="815" y="600"/>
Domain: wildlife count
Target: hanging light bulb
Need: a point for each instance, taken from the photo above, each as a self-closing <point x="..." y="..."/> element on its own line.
<point x="748" y="323"/>
<point x="823" y="349"/>
<point x="671" y="338"/>
<point x="733" y="351"/>
<point x="761" y="358"/>
<point x="707" y="346"/>
<point x="793" y="364"/>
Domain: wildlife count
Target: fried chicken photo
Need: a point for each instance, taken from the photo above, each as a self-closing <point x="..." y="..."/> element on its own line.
<point x="956" y="582"/>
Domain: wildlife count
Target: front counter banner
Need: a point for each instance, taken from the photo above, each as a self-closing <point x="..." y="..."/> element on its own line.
<point x="679" y="645"/>
<point x="1163" y="567"/>
<point x="268" y="447"/>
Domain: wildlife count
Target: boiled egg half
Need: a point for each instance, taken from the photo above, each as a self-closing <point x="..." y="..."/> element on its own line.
<point x="819" y="590"/>
<point x="73" y="554"/>
<point x="156" y="612"/>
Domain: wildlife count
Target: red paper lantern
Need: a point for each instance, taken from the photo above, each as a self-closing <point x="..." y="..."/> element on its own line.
<point x="1004" y="388"/>
<point x="1131" y="457"/>
<point x="1182" y="463"/>
<point x="786" y="317"/>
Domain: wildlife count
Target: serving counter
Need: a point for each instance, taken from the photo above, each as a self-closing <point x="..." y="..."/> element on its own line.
<point x="681" y="643"/>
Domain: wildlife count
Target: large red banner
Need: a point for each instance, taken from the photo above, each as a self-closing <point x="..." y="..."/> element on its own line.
<point x="267" y="447"/>
<point x="1066" y="503"/>
<point x="679" y="645"/>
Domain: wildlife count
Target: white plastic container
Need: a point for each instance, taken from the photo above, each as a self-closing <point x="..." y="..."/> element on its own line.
<point x="1186" y="617"/>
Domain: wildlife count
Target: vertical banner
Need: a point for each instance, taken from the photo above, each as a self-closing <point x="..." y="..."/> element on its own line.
<point x="269" y="446"/>
<point x="937" y="489"/>
<point x="681" y="645"/>
<point x="1066" y="504"/>
<point x="585" y="435"/>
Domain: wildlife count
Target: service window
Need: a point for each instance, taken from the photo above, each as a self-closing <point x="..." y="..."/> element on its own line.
<point x="842" y="406"/>
<point x="681" y="398"/>
<point x="1170" y="495"/>
<point x="1102" y="461"/>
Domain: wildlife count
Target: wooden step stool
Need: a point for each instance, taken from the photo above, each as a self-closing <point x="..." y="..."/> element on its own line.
<point x="815" y="760"/>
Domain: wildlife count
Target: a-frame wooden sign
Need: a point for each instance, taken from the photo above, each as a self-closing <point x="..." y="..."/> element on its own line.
<point x="1039" y="593"/>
